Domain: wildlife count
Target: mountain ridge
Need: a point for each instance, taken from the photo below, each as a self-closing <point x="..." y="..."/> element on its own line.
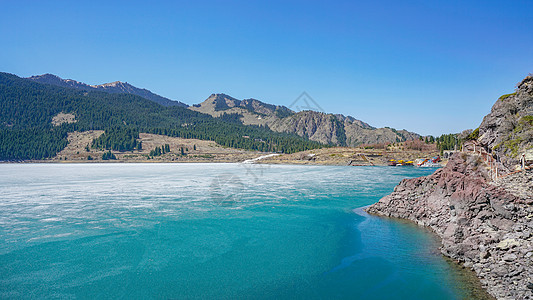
<point x="116" y="87"/>
<point x="326" y="128"/>
<point x="317" y="126"/>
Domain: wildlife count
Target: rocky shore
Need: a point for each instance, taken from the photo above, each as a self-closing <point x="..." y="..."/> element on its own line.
<point x="484" y="226"/>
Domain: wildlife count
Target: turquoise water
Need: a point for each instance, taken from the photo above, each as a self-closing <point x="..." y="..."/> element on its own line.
<point x="187" y="231"/>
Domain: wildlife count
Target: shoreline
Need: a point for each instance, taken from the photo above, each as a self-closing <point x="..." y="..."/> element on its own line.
<point x="483" y="226"/>
<point x="262" y="159"/>
<point x="467" y="276"/>
<point x="285" y="163"/>
<point x="203" y="151"/>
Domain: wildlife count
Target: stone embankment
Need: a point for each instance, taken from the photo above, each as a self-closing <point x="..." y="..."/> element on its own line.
<point x="486" y="226"/>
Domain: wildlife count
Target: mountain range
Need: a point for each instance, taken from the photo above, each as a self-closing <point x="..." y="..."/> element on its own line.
<point x="36" y="120"/>
<point x="325" y="128"/>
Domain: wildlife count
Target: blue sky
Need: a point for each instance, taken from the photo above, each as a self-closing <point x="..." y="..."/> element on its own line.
<point x="431" y="67"/>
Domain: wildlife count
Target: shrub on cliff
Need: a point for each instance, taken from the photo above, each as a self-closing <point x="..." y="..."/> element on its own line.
<point x="474" y="135"/>
<point x="503" y="97"/>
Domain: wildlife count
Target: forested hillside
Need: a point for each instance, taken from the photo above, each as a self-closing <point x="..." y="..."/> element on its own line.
<point x="27" y="109"/>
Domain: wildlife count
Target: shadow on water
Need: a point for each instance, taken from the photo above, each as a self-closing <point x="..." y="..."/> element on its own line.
<point x="464" y="281"/>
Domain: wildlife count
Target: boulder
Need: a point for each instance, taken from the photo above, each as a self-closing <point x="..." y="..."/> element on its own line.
<point x="508" y="243"/>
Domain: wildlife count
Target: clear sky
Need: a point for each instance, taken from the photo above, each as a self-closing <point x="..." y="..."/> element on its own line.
<point x="431" y="67"/>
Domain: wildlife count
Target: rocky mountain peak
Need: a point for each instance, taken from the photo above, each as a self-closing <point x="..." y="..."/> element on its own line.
<point x="122" y="87"/>
<point x="56" y="80"/>
<point x="216" y="102"/>
<point x="507" y="130"/>
<point x="45" y="76"/>
<point x="113" y="84"/>
<point x="223" y="102"/>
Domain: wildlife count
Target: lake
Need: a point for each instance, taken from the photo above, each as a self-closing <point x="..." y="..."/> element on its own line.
<point x="225" y="231"/>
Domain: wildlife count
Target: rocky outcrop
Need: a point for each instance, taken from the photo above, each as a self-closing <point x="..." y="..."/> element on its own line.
<point x="339" y="130"/>
<point x="316" y="126"/>
<point x="519" y="184"/>
<point x="116" y="87"/>
<point x="508" y="129"/>
<point x="486" y="225"/>
<point x="326" y="128"/>
<point x="481" y="225"/>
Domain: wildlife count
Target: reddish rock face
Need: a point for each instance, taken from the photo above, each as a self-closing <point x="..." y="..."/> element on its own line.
<point x="471" y="216"/>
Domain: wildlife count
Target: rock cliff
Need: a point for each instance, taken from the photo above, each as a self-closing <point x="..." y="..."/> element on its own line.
<point x="482" y="225"/>
<point x="508" y="129"/>
<point x="485" y="224"/>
